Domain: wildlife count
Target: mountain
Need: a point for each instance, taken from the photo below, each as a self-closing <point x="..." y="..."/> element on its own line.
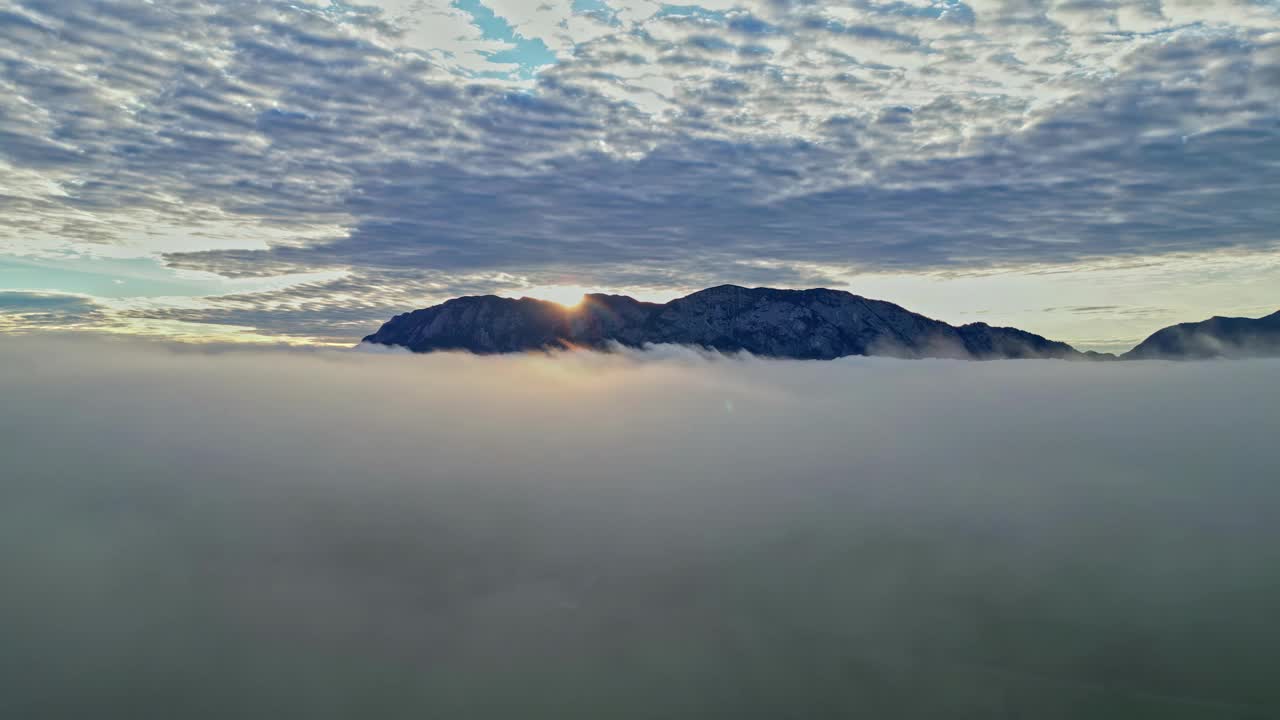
<point x="807" y="324"/>
<point x="1212" y="338"/>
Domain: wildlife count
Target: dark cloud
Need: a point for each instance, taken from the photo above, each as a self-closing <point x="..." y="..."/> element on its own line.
<point x="35" y="311"/>
<point x="1111" y="310"/>
<point x="11" y="301"/>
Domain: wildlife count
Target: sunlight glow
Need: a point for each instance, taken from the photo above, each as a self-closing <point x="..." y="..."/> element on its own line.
<point x="566" y="295"/>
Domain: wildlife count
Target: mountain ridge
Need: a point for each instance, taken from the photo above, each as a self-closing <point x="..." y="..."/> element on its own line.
<point x="1217" y="337"/>
<point x="817" y="323"/>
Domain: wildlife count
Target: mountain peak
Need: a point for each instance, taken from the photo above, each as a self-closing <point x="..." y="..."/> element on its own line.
<point x="817" y="323"/>
<point x="1217" y="337"/>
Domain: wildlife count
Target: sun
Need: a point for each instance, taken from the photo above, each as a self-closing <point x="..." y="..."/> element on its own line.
<point x="566" y="295"/>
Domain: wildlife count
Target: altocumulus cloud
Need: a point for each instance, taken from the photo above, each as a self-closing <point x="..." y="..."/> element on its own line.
<point x="426" y="148"/>
<point x="31" y="310"/>
<point x="287" y="533"/>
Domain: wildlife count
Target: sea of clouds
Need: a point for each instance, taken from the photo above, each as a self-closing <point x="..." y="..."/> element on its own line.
<point x="213" y="533"/>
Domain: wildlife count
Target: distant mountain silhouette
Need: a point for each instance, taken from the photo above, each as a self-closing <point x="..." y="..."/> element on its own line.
<point x="806" y="324"/>
<point x="1212" y="338"/>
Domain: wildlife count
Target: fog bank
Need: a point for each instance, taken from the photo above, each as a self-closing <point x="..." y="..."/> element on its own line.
<point x="266" y="534"/>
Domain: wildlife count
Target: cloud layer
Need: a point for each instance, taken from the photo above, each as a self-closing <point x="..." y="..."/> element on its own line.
<point x="326" y="534"/>
<point x="426" y="148"/>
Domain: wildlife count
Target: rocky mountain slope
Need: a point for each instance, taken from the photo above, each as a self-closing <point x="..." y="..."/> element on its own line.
<point x="1215" y="337"/>
<point x="806" y="324"/>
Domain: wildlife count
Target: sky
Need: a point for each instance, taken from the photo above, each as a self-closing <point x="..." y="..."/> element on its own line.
<point x="200" y="532"/>
<point x="299" y="170"/>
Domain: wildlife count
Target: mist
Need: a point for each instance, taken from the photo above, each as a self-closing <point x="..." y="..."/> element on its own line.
<point x="196" y="533"/>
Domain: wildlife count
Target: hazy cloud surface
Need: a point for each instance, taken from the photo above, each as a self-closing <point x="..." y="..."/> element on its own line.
<point x="650" y="535"/>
